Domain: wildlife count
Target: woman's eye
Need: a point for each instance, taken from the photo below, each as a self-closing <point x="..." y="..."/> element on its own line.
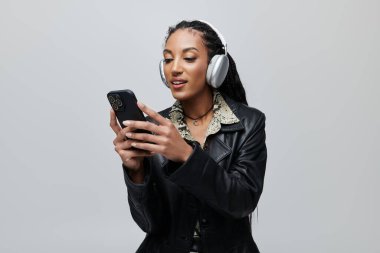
<point x="167" y="60"/>
<point x="190" y="59"/>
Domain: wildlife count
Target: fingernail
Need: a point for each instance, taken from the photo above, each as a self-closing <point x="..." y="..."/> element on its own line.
<point x="134" y="144"/>
<point x="126" y="122"/>
<point x="129" y="134"/>
<point x="140" y="104"/>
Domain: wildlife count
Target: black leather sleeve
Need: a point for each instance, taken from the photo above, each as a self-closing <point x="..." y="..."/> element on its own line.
<point x="145" y="202"/>
<point x="234" y="191"/>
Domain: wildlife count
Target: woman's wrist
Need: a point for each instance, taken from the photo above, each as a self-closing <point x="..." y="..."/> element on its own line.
<point x="187" y="153"/>
<point x="136" y="175"/>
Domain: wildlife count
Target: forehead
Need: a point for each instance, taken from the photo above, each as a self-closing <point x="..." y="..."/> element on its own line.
<point x="184" y="38"/>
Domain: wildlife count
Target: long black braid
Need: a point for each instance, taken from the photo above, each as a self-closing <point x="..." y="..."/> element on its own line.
<point x="231" y="86"/>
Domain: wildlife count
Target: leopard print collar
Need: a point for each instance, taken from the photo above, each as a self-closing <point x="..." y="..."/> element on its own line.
<point x="222" y="115"/>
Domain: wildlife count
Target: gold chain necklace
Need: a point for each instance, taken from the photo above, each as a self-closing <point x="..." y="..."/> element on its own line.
<point x="195" y="120"/>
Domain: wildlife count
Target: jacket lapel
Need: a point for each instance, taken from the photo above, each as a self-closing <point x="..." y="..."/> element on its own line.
<point x="218" y="147"/>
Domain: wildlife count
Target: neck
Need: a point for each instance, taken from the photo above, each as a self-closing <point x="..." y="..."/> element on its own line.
<point x="199" y="105"/>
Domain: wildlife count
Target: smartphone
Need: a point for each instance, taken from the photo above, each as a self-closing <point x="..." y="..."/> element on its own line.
<point x="124" y="103"/>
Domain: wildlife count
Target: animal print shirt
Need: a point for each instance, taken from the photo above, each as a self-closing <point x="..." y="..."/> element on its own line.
<point x="222" y="115"/>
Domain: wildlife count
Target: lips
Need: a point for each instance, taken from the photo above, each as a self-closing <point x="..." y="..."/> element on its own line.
<point x="178" y="83"/>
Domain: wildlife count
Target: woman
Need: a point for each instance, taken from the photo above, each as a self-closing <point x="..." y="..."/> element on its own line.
<point x="194" y="182"/>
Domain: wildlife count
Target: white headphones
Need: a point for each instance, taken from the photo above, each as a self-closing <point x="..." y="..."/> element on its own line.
<point x="217" y="68"/>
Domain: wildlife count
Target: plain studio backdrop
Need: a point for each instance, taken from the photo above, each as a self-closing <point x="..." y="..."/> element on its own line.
<point x="311" y="66"/>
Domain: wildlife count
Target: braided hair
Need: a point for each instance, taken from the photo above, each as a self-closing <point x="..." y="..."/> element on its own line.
<point x="231" y="86"/>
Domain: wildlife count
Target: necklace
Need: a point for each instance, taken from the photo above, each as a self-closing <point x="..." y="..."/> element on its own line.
<point x="195" y="120"/>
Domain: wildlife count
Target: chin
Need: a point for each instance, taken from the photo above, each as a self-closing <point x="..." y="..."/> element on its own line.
<point x="187" y="93"/>
<point x="180" y="95"/>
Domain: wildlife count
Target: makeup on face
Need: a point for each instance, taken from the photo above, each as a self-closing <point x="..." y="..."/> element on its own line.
<point x="185" y="63"/>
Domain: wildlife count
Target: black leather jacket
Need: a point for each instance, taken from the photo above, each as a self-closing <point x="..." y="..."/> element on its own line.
<point x="220" y="185"/>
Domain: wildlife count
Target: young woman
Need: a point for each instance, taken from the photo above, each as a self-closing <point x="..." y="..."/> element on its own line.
<point x="194" y="182"/>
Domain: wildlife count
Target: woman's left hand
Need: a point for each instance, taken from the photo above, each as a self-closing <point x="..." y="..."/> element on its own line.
<point x="166" y="139"/>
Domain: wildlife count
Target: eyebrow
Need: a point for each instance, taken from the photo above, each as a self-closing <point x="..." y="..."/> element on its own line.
<point x="184" y="50"/>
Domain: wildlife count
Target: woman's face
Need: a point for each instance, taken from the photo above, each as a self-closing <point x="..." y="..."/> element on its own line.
<point x="185" y="64"/>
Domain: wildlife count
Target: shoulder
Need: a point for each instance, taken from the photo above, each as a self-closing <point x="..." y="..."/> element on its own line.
<point x="250" y="113"/>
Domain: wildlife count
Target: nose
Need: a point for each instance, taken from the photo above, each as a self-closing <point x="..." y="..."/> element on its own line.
<point x="176" y="68"/>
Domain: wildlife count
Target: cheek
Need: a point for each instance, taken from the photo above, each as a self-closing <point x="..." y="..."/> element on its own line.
<point x="166" y="70"/>
<point x="198" y="72"/>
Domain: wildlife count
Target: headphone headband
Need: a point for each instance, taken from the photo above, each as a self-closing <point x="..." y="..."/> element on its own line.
<point x="218" y="33"/>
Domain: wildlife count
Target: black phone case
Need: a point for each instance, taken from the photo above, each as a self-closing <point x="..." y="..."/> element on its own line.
<point x="124" y="103"/>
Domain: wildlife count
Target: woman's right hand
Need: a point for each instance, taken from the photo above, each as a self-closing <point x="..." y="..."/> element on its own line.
<point x="131" y="158"/>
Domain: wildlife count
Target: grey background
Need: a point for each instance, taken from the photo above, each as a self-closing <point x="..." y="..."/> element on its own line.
<point x="311" y="66"/>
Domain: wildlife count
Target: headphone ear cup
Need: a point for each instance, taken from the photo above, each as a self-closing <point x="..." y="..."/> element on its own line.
<point x="162" y="73"/>
<point x="217" y="70"/>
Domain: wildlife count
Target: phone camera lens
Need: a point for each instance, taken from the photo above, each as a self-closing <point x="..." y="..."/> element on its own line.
<point x="118" y="102"/>
<point x="115" y="107"/>
<point x="111" y="99"/>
